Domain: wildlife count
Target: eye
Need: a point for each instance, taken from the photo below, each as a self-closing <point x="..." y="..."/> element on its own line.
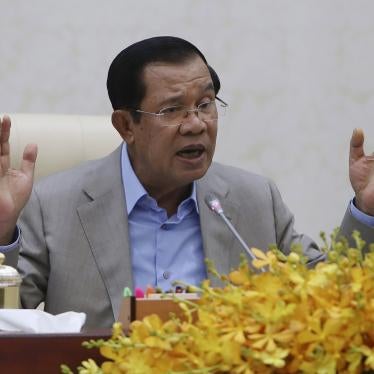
<point x="170" y="110"/>
<point x="205" y="105"/>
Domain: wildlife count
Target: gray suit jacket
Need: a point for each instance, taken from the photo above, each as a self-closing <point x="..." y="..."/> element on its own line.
<point x="74" y="251"/>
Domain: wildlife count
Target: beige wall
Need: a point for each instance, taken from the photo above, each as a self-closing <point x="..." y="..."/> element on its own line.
<point x="298" y="75"/>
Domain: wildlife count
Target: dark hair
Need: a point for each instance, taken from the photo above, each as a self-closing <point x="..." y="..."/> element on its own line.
<point x="125" y="86"/>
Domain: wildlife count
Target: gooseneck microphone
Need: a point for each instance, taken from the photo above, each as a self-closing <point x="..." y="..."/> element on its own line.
<point x="214" y="204"/>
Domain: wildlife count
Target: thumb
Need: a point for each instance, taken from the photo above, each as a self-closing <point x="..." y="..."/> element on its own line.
<point x="29" y="159"/>
<point x="357" y="145"/>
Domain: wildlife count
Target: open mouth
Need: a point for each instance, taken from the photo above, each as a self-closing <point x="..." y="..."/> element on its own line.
<point x="191" y="151"/>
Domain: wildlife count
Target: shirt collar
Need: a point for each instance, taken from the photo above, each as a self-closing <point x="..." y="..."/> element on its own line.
<point x="133" y="189"/>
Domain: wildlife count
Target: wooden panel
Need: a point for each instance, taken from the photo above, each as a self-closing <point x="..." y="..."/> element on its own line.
<point x="136" y="309"/>
<point x="44" y="353"/>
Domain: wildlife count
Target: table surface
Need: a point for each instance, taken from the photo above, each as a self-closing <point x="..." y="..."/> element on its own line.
<point x="44" y="353"/>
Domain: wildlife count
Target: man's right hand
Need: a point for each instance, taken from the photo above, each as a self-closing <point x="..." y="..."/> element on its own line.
<point x="15" y="184"/>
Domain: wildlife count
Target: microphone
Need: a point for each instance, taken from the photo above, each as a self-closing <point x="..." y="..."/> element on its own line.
<point x="214" y="204"/>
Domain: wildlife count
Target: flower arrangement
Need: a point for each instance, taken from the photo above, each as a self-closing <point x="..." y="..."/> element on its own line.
<point x="289" y="319"/>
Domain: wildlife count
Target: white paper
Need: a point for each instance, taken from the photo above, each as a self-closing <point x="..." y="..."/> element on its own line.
<point x="37" y="321"/>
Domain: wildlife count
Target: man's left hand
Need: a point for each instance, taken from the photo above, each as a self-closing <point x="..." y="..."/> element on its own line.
<point x="361" y="173"/>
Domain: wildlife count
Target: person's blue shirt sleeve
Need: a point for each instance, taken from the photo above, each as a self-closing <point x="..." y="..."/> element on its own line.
<point x="360" y="216"/>
<point x="14" y="244"/>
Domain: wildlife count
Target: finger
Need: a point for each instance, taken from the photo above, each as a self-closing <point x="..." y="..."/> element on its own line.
<point x="4" y="143"/>
<point x="5" y="129"/>
<point x="357" y="145"/>
<point x="29" y="159"/>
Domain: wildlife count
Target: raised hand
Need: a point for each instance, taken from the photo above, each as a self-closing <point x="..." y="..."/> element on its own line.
<point x="15" y="184"/>
<point x="361" y="173"/>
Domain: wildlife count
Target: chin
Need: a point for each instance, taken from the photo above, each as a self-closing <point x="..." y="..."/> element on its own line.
<point x="193" y="175"/>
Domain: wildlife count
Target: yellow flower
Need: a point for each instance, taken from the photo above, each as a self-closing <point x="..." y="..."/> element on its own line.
<point x="354" y="358"/>
<point x="270" y="337"/>
<point x="320" y="330"/>
<point x="357" y="279"/>
<point x="238" y="277"/>
<point x="263" y="259"/>
<point x="275" y="358"/>
<point x="156" y="342"/>
<point x="290" y="319"/>
<point x="89" y="367"/>
<point x="369" y="353"/>
<point x="323" y="365"/>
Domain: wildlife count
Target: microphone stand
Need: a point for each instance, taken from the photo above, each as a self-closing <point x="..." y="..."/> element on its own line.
<point x="214" y="204"/>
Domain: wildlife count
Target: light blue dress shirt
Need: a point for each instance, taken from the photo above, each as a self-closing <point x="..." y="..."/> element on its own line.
<point x="163" y="249"/>
<point x="361" y="216"/>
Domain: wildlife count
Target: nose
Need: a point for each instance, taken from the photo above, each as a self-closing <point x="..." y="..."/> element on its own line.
<point x="191" y="123"/>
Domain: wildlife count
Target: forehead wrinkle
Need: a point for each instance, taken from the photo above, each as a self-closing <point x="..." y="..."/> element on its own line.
<point x="178" y="97"/>
<point x="171" y="82"/>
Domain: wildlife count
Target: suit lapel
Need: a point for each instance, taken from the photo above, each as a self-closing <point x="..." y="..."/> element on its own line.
<point x="217" y="238"/>
<point x="105" y="224"/>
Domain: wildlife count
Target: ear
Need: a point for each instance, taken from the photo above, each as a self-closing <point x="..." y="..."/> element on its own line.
<point x="123" y="123"/>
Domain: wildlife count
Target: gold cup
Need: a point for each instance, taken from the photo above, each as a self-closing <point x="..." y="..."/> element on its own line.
<point x="10" y="281"/>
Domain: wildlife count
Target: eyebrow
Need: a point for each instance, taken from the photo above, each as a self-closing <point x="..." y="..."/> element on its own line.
<point x="208" y="87"/>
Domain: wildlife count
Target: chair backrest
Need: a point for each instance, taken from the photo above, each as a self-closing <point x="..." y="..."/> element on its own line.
<point x="63" y="140"/>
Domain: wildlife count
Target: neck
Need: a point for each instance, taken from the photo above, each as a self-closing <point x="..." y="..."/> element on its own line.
<point x="169" y="200"/>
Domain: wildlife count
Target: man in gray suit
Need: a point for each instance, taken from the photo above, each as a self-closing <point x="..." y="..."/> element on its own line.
<point x="137" y="216"/>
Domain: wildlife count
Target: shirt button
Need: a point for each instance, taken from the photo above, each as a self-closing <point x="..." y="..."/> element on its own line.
<point x="166" y="274"/>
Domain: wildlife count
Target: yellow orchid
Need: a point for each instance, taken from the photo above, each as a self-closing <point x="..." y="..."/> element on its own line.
<point x="268" y="339"/>
<point x="263" y="258"/>
<point x="289" y="319"/>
